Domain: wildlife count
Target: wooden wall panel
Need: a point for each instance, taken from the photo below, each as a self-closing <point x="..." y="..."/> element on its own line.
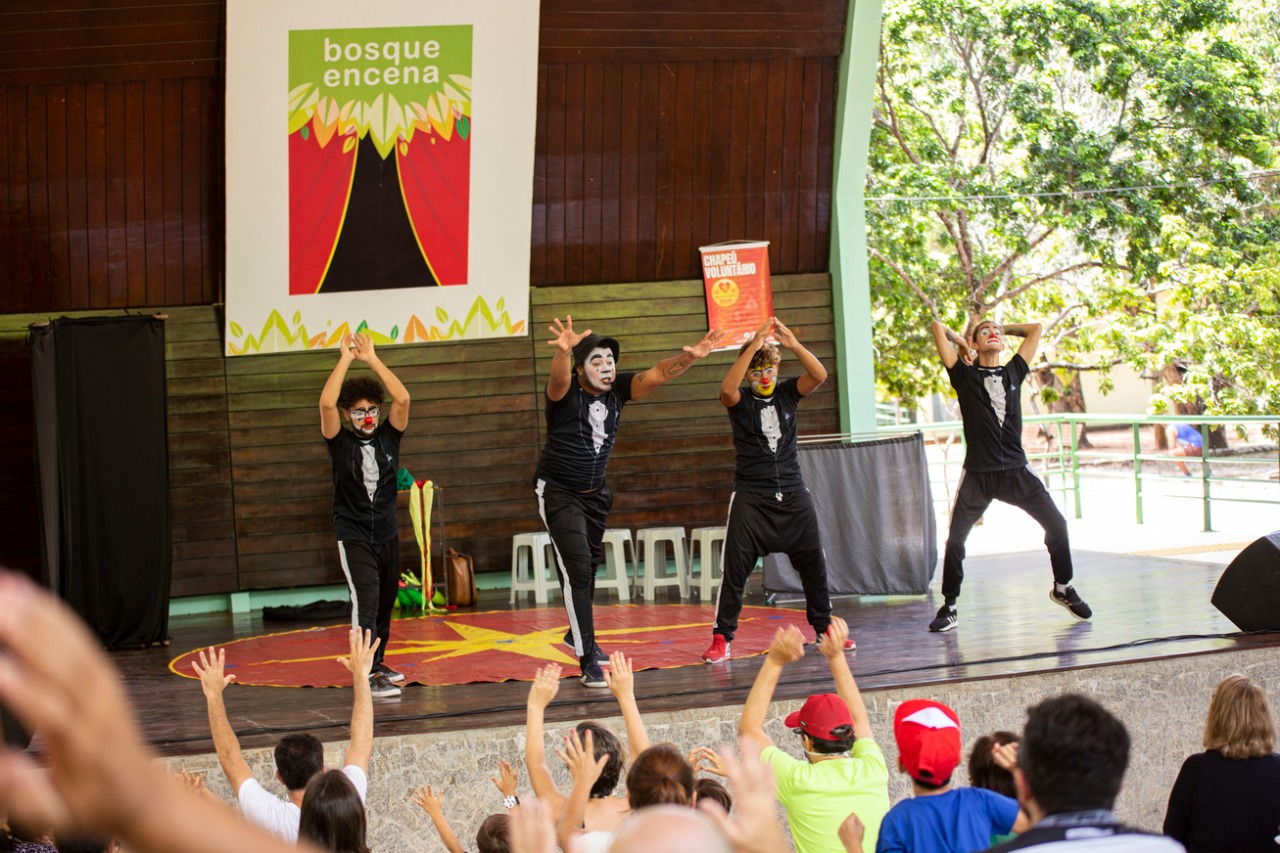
<point x="704" y="152"/>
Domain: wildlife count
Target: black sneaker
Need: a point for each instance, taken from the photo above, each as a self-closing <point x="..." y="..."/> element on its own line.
<point x="392" y="676"/>
<point x="597" y="652"/>
<point x="1071" y="600"/>
<point x="944" y="621"/>
<point x="380" y="687"/>
<point x="592" y="674"/>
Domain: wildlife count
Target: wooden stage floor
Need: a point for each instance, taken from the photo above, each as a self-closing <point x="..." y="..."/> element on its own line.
<point x="1144" y="607"/>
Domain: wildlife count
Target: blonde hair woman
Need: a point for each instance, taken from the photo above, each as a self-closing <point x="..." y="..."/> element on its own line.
<point x="1228" y="797"/>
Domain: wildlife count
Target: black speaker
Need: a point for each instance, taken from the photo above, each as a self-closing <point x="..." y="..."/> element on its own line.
<point x="1248" y="593"/>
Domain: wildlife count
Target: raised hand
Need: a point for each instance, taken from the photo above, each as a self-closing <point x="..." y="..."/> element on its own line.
<point x="545" y="686"/>
<point x="360" y="662"/>
<point x="431" y="802"/>
<point x="565" y="337"/>
<point x="706" y="758"/>
<point x="619" y="676"/>
<point x="851" y="832"/>
<point x="506" y="779"/>
<point x="578" y="756"/>
<point x="831" y="644"/>
<point x="211" y="671"/>
<point x="755" y="828"/>
<point x="704" y="347"/>
<point x="786" y="337"/>
<point x="787" y="645"/>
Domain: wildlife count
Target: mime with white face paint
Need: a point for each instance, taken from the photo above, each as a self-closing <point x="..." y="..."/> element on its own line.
<point x="584" y="398"/>
<point x="771" y="510"/>
<point x="365" y="453"/>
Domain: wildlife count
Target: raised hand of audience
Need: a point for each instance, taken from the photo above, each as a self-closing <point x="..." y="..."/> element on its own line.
<point x="506" y="779"/>
<point x="1005" y="755"/>
<point x="706" y="758"/>
<point x="755" y="827"/>
<point x="545" y="686"/>
<point x="101" y="776"/>
<point x="620" y="677"/>
<point x="851" y="832"/>
<point x="787" y="645"/>
<point x="211" y="670"/>
<point x="831" y="644"/>
<point x="360" y="661"/>
<point x="430" y="801"/>
<point x="579" y="758"/>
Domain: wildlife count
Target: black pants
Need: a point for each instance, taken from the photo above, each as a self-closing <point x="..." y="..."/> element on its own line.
<point x="1019" y="487"/>
<point x="762" y="524"/>
<point x="576" y="523"/>
<point x="373" y="575"/>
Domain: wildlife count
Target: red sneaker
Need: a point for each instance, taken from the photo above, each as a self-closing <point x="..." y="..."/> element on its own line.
<point x="850" y="645"/>
<point x="717" y="651"/>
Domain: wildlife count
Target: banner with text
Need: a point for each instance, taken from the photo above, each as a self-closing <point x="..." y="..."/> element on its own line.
<point x="739" y="295"/>
<point x="370" y="150"/>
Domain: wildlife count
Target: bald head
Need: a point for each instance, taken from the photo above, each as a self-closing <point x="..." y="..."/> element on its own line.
<point x="670" y="829"/>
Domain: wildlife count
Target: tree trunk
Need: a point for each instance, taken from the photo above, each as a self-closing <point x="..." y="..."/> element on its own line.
<point x="1070" y="397"/>
<point x="1172" y="375"/>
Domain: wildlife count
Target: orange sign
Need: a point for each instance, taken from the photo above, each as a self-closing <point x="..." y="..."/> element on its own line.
<point x="739" y="296"/>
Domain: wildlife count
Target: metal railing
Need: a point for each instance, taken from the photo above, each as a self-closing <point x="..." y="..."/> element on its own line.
<point x="1065" y="465"/>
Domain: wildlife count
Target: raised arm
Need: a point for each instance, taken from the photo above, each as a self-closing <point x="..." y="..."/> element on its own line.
<point x="621" y="681"/>
<point x="211" y="670"/>
<point x="432" y="802"/>
<point x="1030" y="334"/>
<point x="814" y="373"/>
<point x="664" y="371"/>
<point x="950" y="345"/>
<point x="787" y="646"/>
<point x="543" y="689"/>
<point x="579" y="756"/>
<point x="359" y="664"/>
<point x="398" y="417"/>
<point x="330" y="417"/>
<point x="562" y="365"/>
<point x="831" y="644"/>
<point x="731" y="387"/>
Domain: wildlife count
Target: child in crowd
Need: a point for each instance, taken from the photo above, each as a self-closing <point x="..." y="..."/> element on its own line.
<point x="938" y="817"/>
<point x="494" y="833"/>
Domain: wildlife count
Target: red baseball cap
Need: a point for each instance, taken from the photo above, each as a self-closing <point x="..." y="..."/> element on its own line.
<point x="928" y="736"/>
<point x="820" y="714"/>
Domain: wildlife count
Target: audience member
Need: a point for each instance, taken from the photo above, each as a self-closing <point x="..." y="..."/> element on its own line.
<point x="101" y="777"/>
<point x="332" y="815"/>
<point x="670" y="829"/>
<point x="844" y="770"/>
<point x="1071" y="764"/>
<point x="603" y="812"/>
<point x="940" y="817"/>
<point x="492" y="837"/>
<point x="299" y="757"/>
<point x="713" y="789"/>
<point x="1228" y="797"/>
<point x="985" y="771"/>
<point x="1185" y="440"/>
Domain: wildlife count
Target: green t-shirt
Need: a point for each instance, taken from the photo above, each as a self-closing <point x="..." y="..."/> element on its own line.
<point x="819" y="796"/>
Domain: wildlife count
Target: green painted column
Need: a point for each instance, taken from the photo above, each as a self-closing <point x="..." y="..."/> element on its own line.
<point x="850" y="282"/>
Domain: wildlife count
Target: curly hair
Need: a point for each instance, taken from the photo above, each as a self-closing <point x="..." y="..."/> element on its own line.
<point x="361" y="388"/>
<point x="767" y="356"/>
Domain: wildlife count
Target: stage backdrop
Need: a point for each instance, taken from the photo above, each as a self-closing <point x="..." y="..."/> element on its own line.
<point x="379" y="171"/>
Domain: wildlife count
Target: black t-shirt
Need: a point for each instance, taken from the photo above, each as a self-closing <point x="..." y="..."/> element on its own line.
<point x="992" y="432"/>
<point x="1225" y="804"/>
<point x="356" y="516"/>
<point x="764" y="440"/>
<point x="581" y="429"/>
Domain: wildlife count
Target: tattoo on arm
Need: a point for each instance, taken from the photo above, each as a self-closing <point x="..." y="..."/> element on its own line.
<point x="679" y="365"/>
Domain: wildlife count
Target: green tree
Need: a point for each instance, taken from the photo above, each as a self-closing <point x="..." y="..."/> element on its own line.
<point x="1040" y="160"/>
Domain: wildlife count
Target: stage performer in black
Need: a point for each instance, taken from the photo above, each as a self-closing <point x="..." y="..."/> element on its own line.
<point x="365" y="453"/>
<point x="995" y="466"/>
<point x="585" y="396"/>
<point x="770" y="510"/>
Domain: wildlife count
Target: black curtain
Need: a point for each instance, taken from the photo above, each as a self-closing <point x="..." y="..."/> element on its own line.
<point x="102" y="461"/>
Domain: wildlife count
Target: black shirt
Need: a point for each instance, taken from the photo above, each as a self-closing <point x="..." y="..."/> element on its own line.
<point x="1228" y="804"/>
<point x="581" y="429"/>
<point x="764" y="440"/>
<point x="356" y="516"/>
<point x="992" y="442"/>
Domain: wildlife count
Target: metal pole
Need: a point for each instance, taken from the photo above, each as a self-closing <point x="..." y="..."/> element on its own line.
<point x="1137" y="469"/>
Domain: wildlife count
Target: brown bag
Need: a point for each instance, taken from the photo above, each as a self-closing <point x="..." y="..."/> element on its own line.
<point x="460" y="578"/>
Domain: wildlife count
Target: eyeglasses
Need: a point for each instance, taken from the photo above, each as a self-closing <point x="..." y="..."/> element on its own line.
<point x="361" y="414"/>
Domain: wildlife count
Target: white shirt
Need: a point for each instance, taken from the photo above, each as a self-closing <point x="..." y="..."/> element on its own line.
<point x="278" y="815"/>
